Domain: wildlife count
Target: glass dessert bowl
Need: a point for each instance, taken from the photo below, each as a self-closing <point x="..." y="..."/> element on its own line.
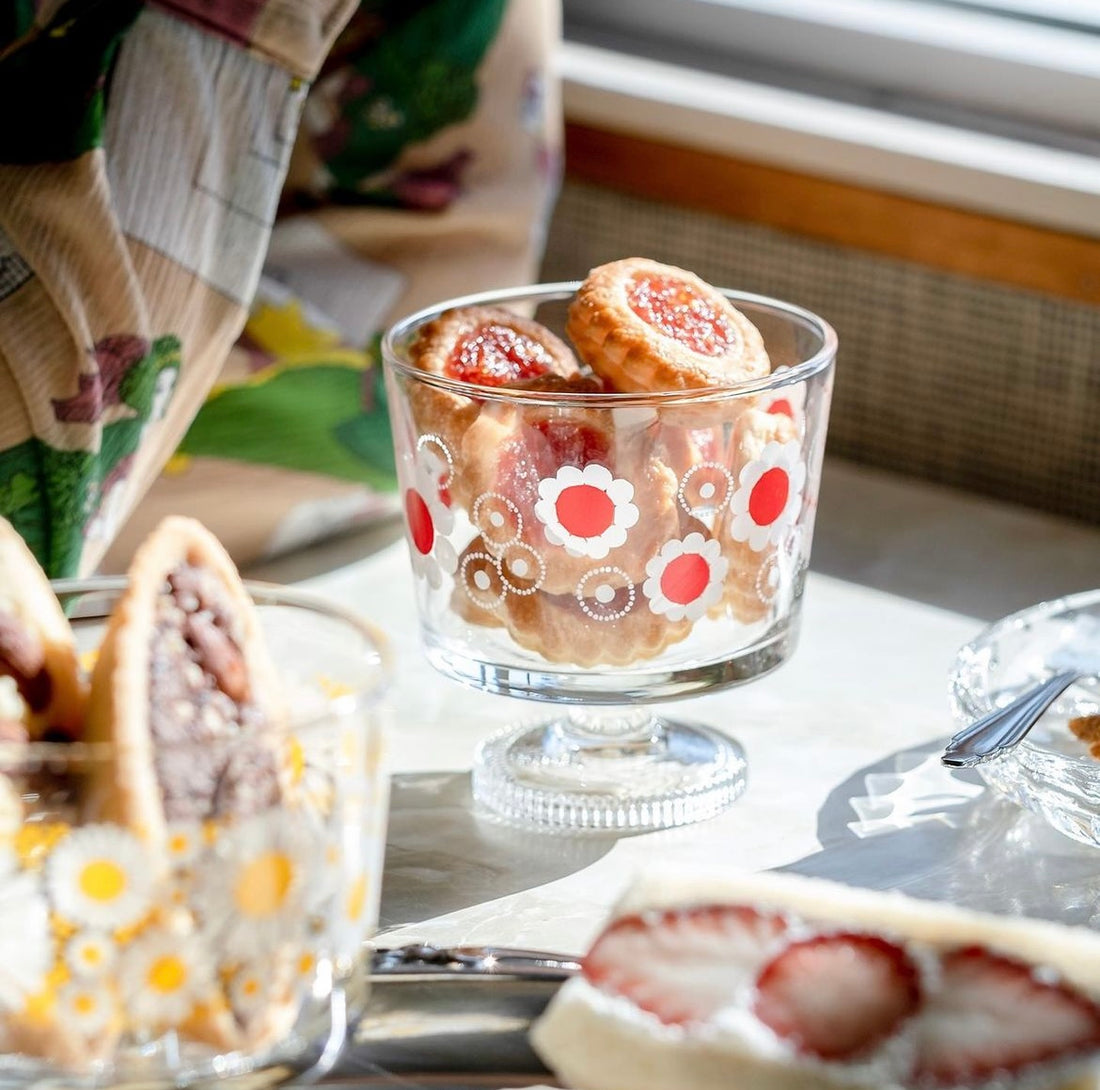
<point x="1052" y="771"/>
<point x="231" y="945"/>
<point x="603" y="548"/>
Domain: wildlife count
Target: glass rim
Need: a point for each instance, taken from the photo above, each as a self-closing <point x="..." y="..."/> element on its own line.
<point x="377" y="657"/>
<point x="550" y="292"/>
<point x="977" y="702"/>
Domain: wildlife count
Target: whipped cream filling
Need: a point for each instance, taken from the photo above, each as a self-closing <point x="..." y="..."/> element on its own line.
<point x="575" y="1039"/>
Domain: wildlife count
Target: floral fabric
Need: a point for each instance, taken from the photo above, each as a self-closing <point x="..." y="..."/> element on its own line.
<point x="383" y="157"/>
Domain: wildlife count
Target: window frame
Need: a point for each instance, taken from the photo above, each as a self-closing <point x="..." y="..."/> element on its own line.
<point x="1019" y="71"/>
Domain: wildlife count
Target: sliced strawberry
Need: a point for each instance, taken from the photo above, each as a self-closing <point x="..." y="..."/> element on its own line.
<point x="683" y="964"/>
<point x="836" y="996"/>
<point x="992" y="1016"/>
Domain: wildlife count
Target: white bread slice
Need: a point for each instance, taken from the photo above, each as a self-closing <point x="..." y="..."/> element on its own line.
<point x="595" y="1041"/>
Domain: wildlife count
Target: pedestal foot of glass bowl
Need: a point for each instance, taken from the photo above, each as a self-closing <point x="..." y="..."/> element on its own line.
<point x="616" y="771"/>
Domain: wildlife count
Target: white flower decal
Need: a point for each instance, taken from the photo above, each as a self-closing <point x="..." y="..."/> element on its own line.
<point x="87" y="1007"/>
<point x="498" y="519"/>
<point x="588" y="511"/>
<point x="26" y="949"/>
<point x="251" y="894"/>
<point x="522" y="569"/>
<point x="705" y="489"/>
<point x="185" y="842"/>
<point x="685" y="577"/>
<point x="605" y="594"/>
<point x="789" y="401"/>
<point x="428" y="516"/>
<point x="481" y="578"/>
<point x="769" y="496"/>
<point x="101" y="877"/>
<point x="163" y="976"/>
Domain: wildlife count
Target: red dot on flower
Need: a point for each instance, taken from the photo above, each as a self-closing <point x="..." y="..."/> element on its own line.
<point x="769" y="496"/>
<point x="419" y="518"/>
<point x="584" y="510"/>
<point x="685" y="578"/>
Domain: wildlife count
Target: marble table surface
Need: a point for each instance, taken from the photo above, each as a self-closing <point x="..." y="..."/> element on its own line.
<point x="842" y="741"/>
<point x="843" y="744"/>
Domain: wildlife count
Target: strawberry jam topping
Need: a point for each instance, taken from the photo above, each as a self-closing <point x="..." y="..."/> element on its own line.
<point x="679" y="311"/>
<point x="493" y="355"/>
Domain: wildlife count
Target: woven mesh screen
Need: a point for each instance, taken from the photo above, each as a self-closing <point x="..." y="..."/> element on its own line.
<point x="939" y="376"/>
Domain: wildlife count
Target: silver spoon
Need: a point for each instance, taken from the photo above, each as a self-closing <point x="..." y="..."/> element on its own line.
<point x="1006" y="727"/>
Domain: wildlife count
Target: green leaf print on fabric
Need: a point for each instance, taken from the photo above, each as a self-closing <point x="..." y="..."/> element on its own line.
<point x="419" y="77"/>
<point x="314" y="418"/>
<point x="57" y="74"/>
<point x="52" y="496"/>
<point x="368" y="434"/>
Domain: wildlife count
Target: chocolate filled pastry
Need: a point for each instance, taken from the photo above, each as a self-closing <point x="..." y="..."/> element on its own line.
<point x="483" y="346"/>
<point x="644" y="327"/>
<point x="185" y="691"/>
<point x="42" y="692"/>
<point x="188" y="699"/>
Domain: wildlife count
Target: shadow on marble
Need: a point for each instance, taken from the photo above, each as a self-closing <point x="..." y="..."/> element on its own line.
<point x="442" y="856"/>
<point x="907" y="823"/>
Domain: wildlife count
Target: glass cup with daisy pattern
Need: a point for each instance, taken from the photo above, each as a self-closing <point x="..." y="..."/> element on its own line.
<point x="235" y="950"/>
<point x="604" y="551"/>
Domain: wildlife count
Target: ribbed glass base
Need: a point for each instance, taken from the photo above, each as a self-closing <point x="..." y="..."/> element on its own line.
<point x="612" y="770"/>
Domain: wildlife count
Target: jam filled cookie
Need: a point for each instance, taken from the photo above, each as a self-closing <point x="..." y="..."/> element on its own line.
<point x="184" y="690"/>
<point x="483" y="346"/>
<point x="609" y="626"/>
<point x="490" y="346"/>
<point x="41" y="689"/>
<point x="644" y="327"/>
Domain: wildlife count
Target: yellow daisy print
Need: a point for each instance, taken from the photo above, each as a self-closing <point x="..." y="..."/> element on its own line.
<point x="251" y="897"/>
<point x="186" y="841"/>
<point x="86" y="1006"/>
<point x="249" y="990"/>
<point x="90" y="954"/>
<point x="100" y="876"/>
<point x="163" y="975"/>
<point x="352" y="914"/>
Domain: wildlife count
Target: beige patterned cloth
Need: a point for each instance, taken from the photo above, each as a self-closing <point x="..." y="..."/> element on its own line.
<point x="418" y="163"/>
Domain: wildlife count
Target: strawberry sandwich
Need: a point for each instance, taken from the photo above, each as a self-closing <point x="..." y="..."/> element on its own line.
<point x="778" y="982"/>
